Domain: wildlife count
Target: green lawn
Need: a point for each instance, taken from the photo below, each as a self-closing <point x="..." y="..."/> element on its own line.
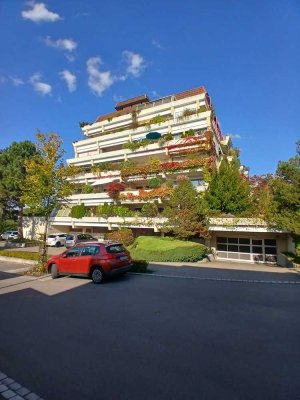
<point x="154" y="248"/>
<point x="26" y="255"/>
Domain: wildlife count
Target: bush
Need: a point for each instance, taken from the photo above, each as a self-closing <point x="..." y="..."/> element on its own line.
<point x="140" y="266"/>
<point x="149" y="210"/>
<point x="110" y="210"/>
<point x="105" y="211"/>
<point x="154" y="183"/>
<point x="78" y="211"/>
<point x="33" y="242"/>
<point x="151" y="248"/>
<point x="124" y="235"/>
<point x="168" y="137"/>
<point x="86" y="189"/>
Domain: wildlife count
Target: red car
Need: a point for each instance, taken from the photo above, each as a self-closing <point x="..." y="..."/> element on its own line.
<point x="95" y="260"/>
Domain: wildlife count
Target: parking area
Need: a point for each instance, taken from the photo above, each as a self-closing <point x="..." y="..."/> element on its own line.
<point x="176" y="333"/>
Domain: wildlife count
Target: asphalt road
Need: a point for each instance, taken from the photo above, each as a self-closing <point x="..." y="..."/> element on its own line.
<point x="182" y="335"/>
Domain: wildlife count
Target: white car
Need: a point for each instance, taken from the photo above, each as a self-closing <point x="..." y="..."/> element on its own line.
<point x="56" y="239"/>
<point x="7" y="235"/>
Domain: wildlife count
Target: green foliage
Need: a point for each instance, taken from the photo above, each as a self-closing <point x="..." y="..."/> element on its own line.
<point x="168" y="136"/>
<point x="121" y="211"/>
<point x="123" y="235"/>
<point x="296" y="239"/>
<point x="202" y="109"/>
<point x="186" y="212"/>
<point x="158" y="119"/>
<point x="189" y="133"/>
<point x="47" y="182"/>
<point x="149" y="210"/>
<point x="109" y="210"/>
<point x="229" y="191"/>
<point x="105" y="210"/>
<point x="12" y="175"/>
<point x="286" y="195"/>
<point x="154" y="182"/>
<point x="86" y="189"/>
<point x="79" y="211"/>
<point x="25" y="255"/>
<point x="152" y="248"/>
<point x="187" y="112"/>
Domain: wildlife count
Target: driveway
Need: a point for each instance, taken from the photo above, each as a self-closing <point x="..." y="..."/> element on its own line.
<point x="178" y="333"/>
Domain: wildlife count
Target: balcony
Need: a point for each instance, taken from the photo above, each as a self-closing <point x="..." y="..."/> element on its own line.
<point x="110" y="222"/>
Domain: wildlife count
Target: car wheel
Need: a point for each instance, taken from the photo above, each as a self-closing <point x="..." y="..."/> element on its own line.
<point x="58" y="244"/>
<point x="54" y="271"/>
<point x="97" y="275"/>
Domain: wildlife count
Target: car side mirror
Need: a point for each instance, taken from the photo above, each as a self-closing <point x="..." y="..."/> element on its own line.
<point x="64" y="255"/>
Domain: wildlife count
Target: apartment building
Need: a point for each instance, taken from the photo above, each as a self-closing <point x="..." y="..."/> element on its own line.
<point x="131" y="158"/>
<point x="134" y="155"/>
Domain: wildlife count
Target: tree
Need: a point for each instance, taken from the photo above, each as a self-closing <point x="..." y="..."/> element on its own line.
<point x="185" y="212"/>
<point x="229" y="190"/>
<point x="12" y="175"/>
<point x="47" y="182"/>
<point x="286" y="193"/>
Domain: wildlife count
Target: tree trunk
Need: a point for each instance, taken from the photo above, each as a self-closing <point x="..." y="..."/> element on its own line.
<point x="20" y="221"/>
<point x="43" y="248"/>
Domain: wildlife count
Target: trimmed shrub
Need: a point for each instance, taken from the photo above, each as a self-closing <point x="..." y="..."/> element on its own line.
<point x="124" y="235"/>
<point x="78" y="211"/>
<point x="154" y="183"/>
<point x="140" y="266"/>
<point x="151" y="248"/>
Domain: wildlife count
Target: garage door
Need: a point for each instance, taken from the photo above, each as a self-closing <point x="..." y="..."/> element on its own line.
<point x="247" y="249"/>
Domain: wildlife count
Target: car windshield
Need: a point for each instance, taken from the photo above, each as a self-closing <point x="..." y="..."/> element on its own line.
<point x="69" y="237"/>
<point x="51" y="236"/>
<point x="115" y="248"/>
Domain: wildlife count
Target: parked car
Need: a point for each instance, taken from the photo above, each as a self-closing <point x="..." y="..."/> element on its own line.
<point x="75" y="238"/>
<point x="93" y="259"/>
<point x="56" y="239"/>
<point x="7" y="235"/>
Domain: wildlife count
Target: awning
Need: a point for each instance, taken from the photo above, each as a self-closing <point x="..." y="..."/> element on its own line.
<point x="102" y="181"/>
<point x="153" y="135"/>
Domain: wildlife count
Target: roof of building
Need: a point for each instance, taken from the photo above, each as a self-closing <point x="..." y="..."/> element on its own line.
<point x="126" y="106"/>
<point x="189" y="93"/>
<point x="133" y="101"/>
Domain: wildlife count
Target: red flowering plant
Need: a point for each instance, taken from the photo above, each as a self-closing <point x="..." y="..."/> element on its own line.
<point x="161" y="192"/>
<point x="171" y="166"/>
<point x="114" y="189"/>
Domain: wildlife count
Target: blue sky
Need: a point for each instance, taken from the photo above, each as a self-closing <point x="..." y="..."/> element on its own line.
<point x="68" y="61"/>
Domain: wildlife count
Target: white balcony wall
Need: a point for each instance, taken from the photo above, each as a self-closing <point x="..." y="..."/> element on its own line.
<point x="111" y="222"/>
<point x="176" y="106"/>
<point x="90" y="199"/>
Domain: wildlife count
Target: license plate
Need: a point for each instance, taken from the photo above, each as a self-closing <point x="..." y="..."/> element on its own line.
<point x="123" y="258"/>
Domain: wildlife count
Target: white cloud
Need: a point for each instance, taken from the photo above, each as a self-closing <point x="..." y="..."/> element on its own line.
<point x="61" y="44"/>
<point x="40" y="13"/>
<point x="70" y="79"/>
<point x="135" y="62"/>
<point x="40" y="87"/>
<point x="16" y="81"/>
<point x="236" y="136"/>
<point x="98" y="81"/>
<point x="156" y="44"/>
